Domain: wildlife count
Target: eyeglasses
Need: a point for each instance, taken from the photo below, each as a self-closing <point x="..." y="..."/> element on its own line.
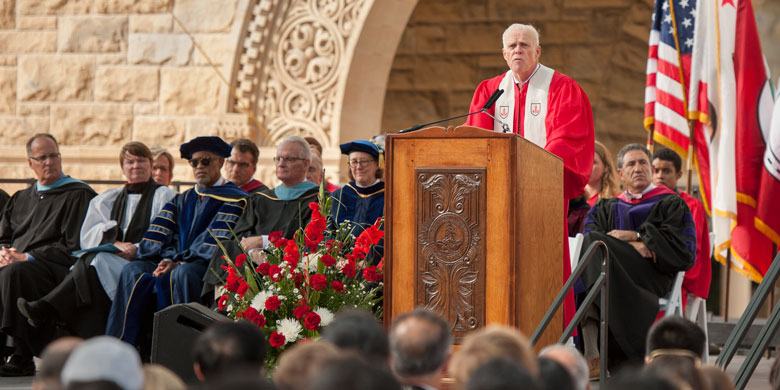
<point x="40" y="159"/>
<point x="279" y="160"/>
<point x="205" y="161"/>
<point x="362" y="163"/>
<point x="241" y="164"/>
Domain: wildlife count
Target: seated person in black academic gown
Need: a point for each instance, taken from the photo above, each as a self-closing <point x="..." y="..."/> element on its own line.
<point x="38" y="231"/>
<point x="362" y="200"/>
<point x="651" y="236"/>
<point x="119" y="216"/>
<point x="283" y="208"/>
<point x="240" y="167"/>
<point x="3" y="198"/>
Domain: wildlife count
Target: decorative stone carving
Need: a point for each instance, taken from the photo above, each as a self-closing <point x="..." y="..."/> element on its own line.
<point x="94" y="33"/>
<point x="205" y="16"/>
<point x="28" y="41"/>
<point x="451" y="255"/>
<point x="55" y="78"/>
<point x="126" y="83"/>
<point x="159" y="49"/>
<point x="92" y="124"/>
<point x="189" y="91"/>
<point x="289" y="71"/>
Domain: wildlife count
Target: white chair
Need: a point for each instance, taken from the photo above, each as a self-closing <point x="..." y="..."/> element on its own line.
<point x="672" y="303"/>
<point x="696" y="311"/>
<point x="575" y="247"/>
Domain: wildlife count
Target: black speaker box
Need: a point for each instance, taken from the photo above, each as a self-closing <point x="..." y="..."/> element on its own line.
<point x="175" y="330"/>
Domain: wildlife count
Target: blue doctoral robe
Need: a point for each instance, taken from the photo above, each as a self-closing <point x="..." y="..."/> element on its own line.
<point x="360" y="206"/>
<point x="183" y="232"/>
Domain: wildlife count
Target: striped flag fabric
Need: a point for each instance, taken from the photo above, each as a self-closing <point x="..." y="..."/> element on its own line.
<point x="767" y="218"/>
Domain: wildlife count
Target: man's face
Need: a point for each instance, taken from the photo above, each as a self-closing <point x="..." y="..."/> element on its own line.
<point x="137" y="169"/>
<point x="206" y="171"/>
<point x="45" y="160"/>
<point x="520" y="53"/>
<point x="635" y="171"/>
<point x="291" y="167"/>
<point x="314" y="173"/>
<point x="664" y="173"/>
<point x="240" y="167"/>
<point x="161" y="170"/>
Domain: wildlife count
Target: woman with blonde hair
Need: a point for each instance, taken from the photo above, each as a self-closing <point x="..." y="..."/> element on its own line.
<point x="603" y="178"/>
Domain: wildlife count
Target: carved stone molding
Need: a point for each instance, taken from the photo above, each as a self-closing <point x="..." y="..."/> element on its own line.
<point x="293" y="54"/>
<point x="450" y="246"/>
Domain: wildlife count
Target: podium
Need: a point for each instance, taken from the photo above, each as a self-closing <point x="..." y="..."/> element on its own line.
<point x="474" y="229"/>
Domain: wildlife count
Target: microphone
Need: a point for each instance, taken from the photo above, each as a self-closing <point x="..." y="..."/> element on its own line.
<point x="489" y="103"/>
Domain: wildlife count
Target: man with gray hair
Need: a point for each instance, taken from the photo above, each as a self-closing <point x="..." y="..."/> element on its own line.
<point x="572" y="360"/>
<point x="283" y="208"/>
<point x="420" y="346"/>
<point x="545" y="107"/>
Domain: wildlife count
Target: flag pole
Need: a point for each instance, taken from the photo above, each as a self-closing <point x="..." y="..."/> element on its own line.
<point x="689" y="160"/>
<point x="650" y="135"/>
<point x="728" y="285"/>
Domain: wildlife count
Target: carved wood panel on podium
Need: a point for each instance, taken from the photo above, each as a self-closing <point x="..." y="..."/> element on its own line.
<point x="474" y="228"/>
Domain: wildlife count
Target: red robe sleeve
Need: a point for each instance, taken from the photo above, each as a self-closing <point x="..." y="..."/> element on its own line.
<point x="481" y="95"/>
<point x="697" y="279"/>
<point x="569" y="124"/>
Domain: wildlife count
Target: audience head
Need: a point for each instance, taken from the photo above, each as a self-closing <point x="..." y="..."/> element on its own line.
<point x="206" y="156"/>
<point x="676" y="336"/>
<point x="680" y="370"/>
<point x="365" y="161"/>
<point x="135" y="158"/>
<point x="314" y="174"/>
<point x="554" y="375"/>
<point x="501" y="373"/>
<point x="159" y="377"/>
<point x="716" y="379"/>
<point x="571" y="359"/>
<point x="634" y="167"/>
<point x="103" y="362"/>
<point x="299" y="364"/>
<point x="292" y="160"/>
<point x="521" y="50"/>
<point x="667" y="168"/>
<point x="162" y="166"/>
<point x="359" y="331"/>
<point x="229" y="347"/>
<point x="242" y="163"/>
<point x="314" y="145"/>
<point x="420" y="344"/>
<point x="603" y="175"/>
<point x="637" y="379"/>
<point x="491" y="342"/>
<point x="43" y="157"/>
<point x="350" y="371"/>
<point x="53" y="358"/>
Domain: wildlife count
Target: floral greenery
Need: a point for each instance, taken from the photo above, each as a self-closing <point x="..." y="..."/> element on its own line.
<point x="301" y="283"/>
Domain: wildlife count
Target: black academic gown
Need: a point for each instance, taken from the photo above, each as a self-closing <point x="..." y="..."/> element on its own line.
<point x="3" y="199"/>
<point x="45" y="225"/>
<point x="265" y="213"/>
<point x="635" y="283"/>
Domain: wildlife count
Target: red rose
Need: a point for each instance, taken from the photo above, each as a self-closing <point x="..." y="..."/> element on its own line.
<point x="263" y="268"/>
<point x="370" y="274"/>
<point x="250" y="313"/>
<point x="349" y="269"/>
<point x="318" y="282"/>
<point x="329" y="245"/>
<point x="272" y="303"/>
<point x="233" y="282"/>
<point x="275" y="271"/>
<point x="222" y="303"/>
<point x="242" y="288"/>
<point x="338" y="286"/>
<point x="297" y="278"/>
<point x="274" y="237"/>
<point x="276" y="340"/>
<point x="240" y="259"/>
<point x="280" y="243"/>
<point x="328" y="260"/>
<point x="300" y="311"/>
<point x="312" y="321"/>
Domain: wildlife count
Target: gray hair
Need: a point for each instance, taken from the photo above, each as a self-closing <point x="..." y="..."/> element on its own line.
<point x="305" y="151"/>
<point x="571" y="359"/>
<point x="629" y="148"/>
<point x="520" y="27"/>
<point x="424" y="352"/>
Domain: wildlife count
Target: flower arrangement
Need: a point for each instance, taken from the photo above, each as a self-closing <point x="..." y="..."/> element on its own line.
<point x="293" y="287"/>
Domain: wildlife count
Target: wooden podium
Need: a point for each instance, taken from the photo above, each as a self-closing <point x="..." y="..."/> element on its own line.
<point x="473" y="229"/>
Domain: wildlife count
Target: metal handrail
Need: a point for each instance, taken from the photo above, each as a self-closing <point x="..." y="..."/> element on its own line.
<point x="175" y="184"/>
<point x="601" y="285"/>
<point x="745" y="322"/>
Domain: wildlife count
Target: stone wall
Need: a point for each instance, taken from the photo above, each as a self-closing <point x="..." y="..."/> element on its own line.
<point x="450" y="46"/>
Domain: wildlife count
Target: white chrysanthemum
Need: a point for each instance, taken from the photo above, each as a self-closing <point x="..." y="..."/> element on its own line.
<point x="326" y="317"/>
<point x="258" y="302"/>
<point x="291" y="329"/>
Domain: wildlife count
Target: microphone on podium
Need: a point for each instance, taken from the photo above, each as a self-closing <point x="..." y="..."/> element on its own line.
<point x="489" y="103"/>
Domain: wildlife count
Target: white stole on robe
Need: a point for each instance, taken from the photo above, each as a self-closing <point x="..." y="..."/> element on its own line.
<point x="535" y="108"/>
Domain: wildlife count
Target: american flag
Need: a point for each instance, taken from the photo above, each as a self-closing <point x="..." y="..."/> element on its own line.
<point x="666" y="88"/>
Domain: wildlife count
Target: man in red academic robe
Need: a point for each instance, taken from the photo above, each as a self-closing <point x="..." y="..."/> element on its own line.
<point x="667" y="170"/>
<point x="544" y="106"/>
